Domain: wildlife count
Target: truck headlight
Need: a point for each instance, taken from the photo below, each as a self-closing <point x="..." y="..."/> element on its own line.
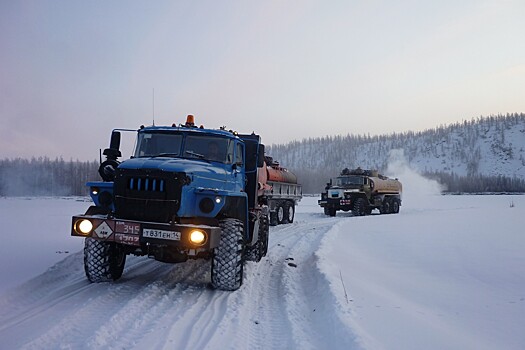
<point x="197" y="237"/>
<point x="206" y="205"/>
<point x="83" y="227"/>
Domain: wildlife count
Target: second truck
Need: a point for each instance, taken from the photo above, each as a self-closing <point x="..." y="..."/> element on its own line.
<point x="361" y="191"/>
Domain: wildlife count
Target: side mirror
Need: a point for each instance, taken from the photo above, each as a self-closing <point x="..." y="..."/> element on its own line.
<point x="113" y="152"/>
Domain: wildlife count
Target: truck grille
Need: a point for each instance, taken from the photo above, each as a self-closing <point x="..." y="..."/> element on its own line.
<point x="146" y="184"/>
<point x="147" y="194"/>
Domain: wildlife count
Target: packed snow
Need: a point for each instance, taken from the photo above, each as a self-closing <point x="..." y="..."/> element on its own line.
<point x="444" y="273"/>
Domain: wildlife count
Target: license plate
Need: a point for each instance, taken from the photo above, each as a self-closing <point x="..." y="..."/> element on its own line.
<point x="161" y="234"/>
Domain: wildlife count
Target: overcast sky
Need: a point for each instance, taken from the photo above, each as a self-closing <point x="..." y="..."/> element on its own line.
<point x="71" y="71"/>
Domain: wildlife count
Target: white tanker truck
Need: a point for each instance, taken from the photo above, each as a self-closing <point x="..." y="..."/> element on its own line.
<point x="361" y="191"/>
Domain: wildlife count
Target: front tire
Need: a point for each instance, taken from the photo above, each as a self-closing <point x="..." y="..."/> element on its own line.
<point x="360" y="207"/>
<point x="228" y="258"/>
<point x="103" y="261"/>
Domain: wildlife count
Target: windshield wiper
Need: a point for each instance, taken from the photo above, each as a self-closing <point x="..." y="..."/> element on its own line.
<point x="197" y="155"/>
<point x="166" y="155"/>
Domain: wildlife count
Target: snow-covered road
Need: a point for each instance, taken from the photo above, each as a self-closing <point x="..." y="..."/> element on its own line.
<point x="448" y="274"/>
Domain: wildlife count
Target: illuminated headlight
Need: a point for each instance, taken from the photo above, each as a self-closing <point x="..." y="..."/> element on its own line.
<point x="197" y="237"/>
<point x="83" y="227"/>
<point x="218" y="200"/>
<point x="94" y="191"/>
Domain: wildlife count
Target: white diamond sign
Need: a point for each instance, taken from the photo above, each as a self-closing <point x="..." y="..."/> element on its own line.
<point x="103" y="230"/>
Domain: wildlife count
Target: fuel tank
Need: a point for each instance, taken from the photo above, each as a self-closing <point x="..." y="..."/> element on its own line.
<point x="272" y="171"/>
<point x="385" y="185"/>
<point x="277" y="173"/>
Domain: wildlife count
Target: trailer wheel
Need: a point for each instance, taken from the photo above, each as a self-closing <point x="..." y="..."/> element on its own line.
<point x="282" y="213"/>
<point x="290" y="208"/>
<point x="228" y="258"/>
<point x="260" y="248"/>
<point x="273" y="218"/>
<point x="359" y="207"/>
<point x="103" y="261"/>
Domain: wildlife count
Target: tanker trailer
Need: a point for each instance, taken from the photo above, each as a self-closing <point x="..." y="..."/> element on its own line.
<point x="361" y="191"/>
<point x="281" y="190"/>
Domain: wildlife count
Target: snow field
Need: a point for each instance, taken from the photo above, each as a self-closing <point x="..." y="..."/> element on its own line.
<point x="447" y="272"/>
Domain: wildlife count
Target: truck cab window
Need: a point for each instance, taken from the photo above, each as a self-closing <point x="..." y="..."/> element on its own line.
<point x="205" y="147"/>
<point x="239" y="154"/>
<point x="158" y="144"/>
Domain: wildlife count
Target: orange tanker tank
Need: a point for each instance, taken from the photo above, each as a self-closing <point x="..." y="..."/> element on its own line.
<point x="280" y="187"/>
<point x="277" y="173"/>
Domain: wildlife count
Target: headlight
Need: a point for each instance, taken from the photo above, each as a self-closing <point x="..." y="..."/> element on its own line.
<point x="83" y="227"/>
<point x="206" y="205"/>
<point x="105" y="199"/>
<point x="197" y="237"/>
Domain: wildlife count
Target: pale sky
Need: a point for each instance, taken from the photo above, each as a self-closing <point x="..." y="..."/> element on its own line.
<point x="71" y="71"/>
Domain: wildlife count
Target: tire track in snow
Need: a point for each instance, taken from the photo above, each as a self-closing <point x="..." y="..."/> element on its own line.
<point x="106" y="314"/>
<point x="164" y="306"/>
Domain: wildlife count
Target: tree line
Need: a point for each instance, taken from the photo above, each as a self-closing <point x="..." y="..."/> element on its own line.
<point x="46" y="177"/>
<point x="454" y="183"/>
<point x="454" y="155"/>
<point x="478" y="155"/>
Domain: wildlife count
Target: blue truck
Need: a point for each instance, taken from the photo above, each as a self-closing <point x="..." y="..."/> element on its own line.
<point x="187" y="192"/>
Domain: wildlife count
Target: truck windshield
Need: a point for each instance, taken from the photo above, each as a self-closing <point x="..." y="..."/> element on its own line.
<point x="349" y="180"/>
<point x="218" y="149"/>
<point x="158" y="144"/>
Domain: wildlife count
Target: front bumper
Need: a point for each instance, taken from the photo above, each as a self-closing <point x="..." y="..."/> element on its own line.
<point x="130" y="232"/>
<point x="334" y="202"/>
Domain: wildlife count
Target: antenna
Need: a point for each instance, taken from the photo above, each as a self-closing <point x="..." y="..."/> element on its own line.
<point x="153" y="116"/>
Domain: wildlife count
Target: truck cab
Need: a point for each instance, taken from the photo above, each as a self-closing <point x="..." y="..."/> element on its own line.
<point x="185" y="193"/>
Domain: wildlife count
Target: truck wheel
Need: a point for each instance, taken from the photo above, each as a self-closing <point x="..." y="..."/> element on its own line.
<point x="103" y="261"/>
<point x="359" y="208"/>
<point x="228" y="258"/>
<point x="395" y="206"/>
<point x="326" y="211"/>
<point x="332" y="211"/>
<point x="260" y="248"/>
<point x="290" y="208"/>
<point x="282" y="214"/>
<point x="386" y="207"/>
<point x="273" y="218"/>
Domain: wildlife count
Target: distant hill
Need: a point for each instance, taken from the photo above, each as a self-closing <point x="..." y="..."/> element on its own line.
<point x="488" y="151"/>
